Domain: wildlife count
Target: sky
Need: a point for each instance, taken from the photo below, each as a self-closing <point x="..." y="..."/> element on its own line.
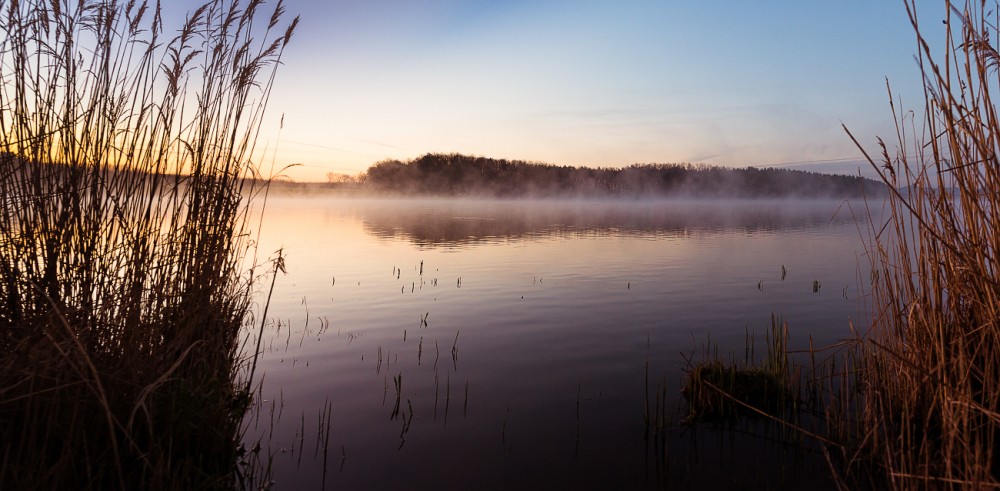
<point x="591" y="83"/>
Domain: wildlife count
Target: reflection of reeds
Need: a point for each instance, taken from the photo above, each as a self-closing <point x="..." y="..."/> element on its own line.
<point x="123" y="233"/>
<point x="579" y="387"/>
<point x="406" y="418"/>
<point x="447" y="396"/>
<point x="436" y="391"/>
<point x="323" y="434"/>
<point x="398" y="384"/>
<point x="465" y="403"/>
<point x="657" y="418"/>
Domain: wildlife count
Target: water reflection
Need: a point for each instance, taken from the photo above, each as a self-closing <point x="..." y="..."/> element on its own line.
<point x="458" y="223"/>
<point x="526" y="362"/>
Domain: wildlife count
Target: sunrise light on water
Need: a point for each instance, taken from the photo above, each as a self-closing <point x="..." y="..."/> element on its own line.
<point x="446" y="244"/>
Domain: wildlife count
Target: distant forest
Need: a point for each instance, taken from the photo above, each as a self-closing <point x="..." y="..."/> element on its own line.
<point x="463" y="175"/>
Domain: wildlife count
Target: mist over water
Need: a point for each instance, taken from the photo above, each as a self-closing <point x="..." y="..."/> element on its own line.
<point x="456" y="223"/>
<point x="520" y="331"/>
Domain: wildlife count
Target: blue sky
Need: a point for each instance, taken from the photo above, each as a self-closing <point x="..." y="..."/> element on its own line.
<point x="594" y="83"/>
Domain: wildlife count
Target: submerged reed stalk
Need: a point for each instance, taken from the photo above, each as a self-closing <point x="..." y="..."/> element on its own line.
<point x="125" y="270"/>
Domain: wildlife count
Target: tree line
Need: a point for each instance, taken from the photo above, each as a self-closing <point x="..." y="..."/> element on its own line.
<point x="463" y="175"/>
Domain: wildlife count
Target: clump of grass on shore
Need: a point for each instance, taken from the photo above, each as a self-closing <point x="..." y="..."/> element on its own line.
<point x="125" y="174"/>
<point x="929" y="371"/>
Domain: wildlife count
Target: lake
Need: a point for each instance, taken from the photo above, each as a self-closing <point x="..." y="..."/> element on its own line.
<point x="517" y="336"/>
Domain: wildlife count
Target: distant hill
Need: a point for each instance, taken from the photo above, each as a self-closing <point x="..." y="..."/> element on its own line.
<point x="463" y="175"/>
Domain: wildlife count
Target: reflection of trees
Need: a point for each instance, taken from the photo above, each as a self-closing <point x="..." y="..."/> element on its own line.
<point x="455" y="174"/>
<point x="462" y="222"/>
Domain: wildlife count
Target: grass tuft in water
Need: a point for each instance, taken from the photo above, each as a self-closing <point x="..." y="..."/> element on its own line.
<point x="717" y="391"/>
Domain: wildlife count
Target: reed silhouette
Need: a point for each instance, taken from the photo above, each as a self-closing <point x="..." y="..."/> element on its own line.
<point x="126" y="266"/>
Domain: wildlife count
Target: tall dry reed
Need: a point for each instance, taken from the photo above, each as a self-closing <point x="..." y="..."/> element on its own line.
<point x="125" y="186"/>
<point x="930" y="366"/>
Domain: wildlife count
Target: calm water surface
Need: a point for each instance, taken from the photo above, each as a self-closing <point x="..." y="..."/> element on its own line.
<point x="518" y="333"/>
